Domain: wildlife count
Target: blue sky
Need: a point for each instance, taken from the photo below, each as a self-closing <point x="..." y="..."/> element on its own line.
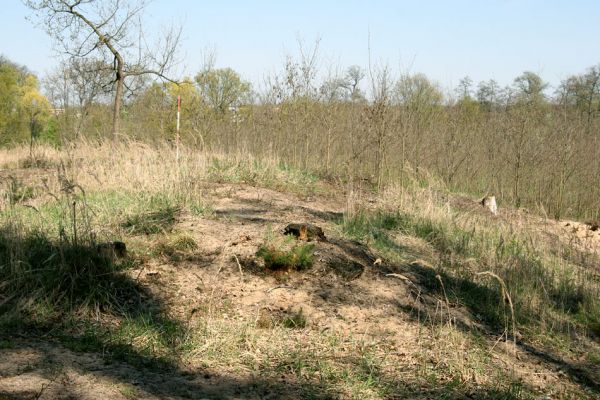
<point x="446" y="40"/>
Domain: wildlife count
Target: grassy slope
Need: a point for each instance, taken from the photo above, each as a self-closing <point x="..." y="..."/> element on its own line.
<point x="513" y="285"/>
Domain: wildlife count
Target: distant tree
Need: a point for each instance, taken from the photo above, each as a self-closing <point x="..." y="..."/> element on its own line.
<point x="488" y="94"/>
<point x="298" y="80"/>
<point x="420" y="99"/>
<point x="10" y="77"/>
<point x="90" y="79"/>
<point x="582" y="92"/>
<point x="58" y="88"/>
<point x="530" y="88"/>
<point x="467" y="104"/>
<point x="344" y="88"/>
<point x="75" y="86"/>
<point x="110" y="31"/>
<point x="222" y="88"/>
<point x="591" y="90"/>
<point x="355" y="74"/>
<point x="36" y="109"/>
<point x="417" y="91"/>
<point x="152" y="112"/>
<point x="23" y="108"/>
<point x="334" y="89"/>
<point x="464" y="88"/>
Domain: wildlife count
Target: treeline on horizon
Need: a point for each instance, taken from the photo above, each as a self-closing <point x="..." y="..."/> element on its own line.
<point x="366" y="126"/>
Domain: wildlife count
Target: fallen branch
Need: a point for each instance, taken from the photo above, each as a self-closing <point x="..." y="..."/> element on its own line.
<point x="239" y="265"/>
<point x="279" y="287"/>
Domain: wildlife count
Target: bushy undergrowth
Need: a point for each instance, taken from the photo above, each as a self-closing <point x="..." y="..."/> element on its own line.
<point x="59" y="284"/>
<point x="65" y="275"/>
<point x="36" y="161"/>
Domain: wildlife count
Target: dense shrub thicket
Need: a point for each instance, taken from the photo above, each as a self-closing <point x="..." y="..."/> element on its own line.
<point x="525" y="146"/>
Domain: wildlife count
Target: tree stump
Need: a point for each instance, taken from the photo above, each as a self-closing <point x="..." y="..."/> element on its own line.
<point x="305" y="232"/>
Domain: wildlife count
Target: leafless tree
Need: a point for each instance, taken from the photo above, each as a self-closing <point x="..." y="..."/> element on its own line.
<point x="110" y="31"/>
<point x="76" y="86"/>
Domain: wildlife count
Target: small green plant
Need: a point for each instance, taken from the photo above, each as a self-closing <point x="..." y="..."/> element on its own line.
<point x="161" y="220"/>
<point x="286" y="253"/>
<point x="296" y="320"/>
<point x="129" y="392"/>
<point x="175" y="246"/>
<point x="201" y="209"/>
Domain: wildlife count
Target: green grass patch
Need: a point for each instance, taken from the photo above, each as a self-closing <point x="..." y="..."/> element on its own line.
<point x="201" y="209"/>
<point x="45" y="277"/>
<point x="295" y="320"/>
<point x="142" y="338"/>
<point x="286" y="253"/>
<point x="159" y="221"/>
<point x="281" y="176"/>
<point x="176" y="246"/>
<point x="135" y="212"/>
<point x="130" y="392"/>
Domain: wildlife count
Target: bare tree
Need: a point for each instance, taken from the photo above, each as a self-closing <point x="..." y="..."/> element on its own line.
<point x="111" y="31"/>
<point x="582" y="92"/>
<point x="488" y="94"/>
<point x="76" y="86"/>
<point x="464" y="88"/>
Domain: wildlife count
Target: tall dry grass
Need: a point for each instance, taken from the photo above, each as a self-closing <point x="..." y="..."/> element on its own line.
<point x="134" y="166"/>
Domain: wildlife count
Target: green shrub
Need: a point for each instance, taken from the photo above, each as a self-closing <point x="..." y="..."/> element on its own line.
<point x="40" y="270"/>
<point x="286" y="253"/>
<point x="296" y="320"/>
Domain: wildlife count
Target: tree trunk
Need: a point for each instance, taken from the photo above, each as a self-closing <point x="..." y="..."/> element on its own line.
<point x="517" y="179"/>
<point x="118" y="97"/>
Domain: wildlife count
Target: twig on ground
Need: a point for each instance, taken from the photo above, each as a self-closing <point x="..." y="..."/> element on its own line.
<point x="279" y="287"/>
<point x="137" y="278"/>
<point x="400" y="276"/>
<point x="239" y="265"/>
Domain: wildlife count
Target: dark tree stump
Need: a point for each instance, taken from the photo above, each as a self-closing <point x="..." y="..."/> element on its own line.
<point x="306" y="232"/>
